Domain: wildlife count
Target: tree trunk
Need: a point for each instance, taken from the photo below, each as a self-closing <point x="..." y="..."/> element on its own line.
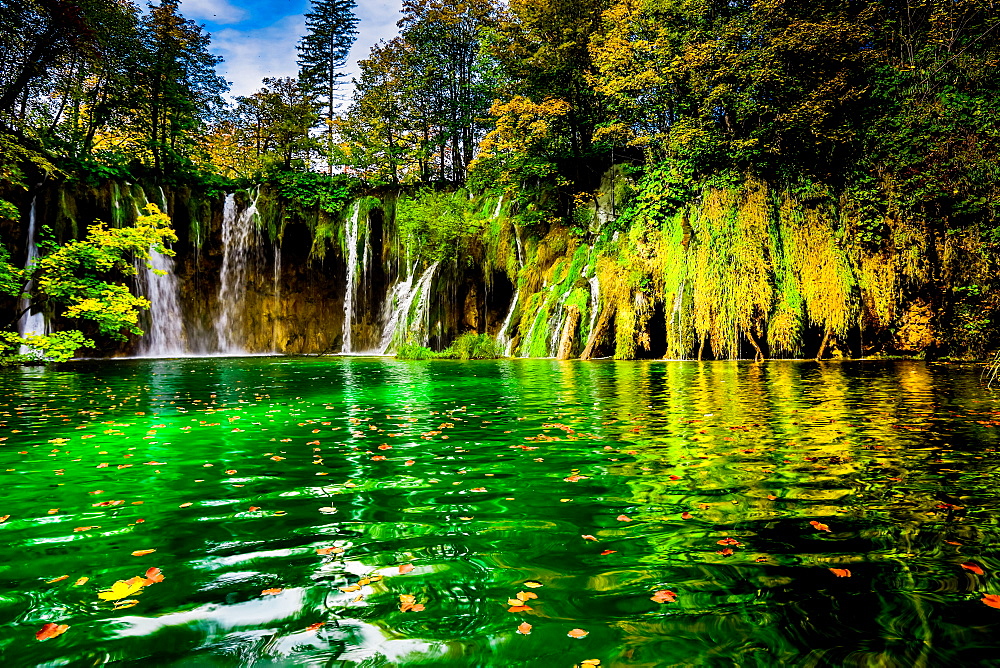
<point x="568" y="333"/>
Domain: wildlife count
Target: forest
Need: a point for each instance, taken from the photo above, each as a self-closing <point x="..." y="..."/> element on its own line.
<point x="627" y="178"/>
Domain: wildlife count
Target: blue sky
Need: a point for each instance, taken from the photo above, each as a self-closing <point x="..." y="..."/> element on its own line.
<point x="258" y="37"/>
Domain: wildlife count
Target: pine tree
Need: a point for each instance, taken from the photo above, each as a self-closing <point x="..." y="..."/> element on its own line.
<point x="323" y="52"/>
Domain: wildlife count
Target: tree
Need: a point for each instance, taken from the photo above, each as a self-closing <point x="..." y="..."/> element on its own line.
<point x="181" y="89"/>
<point x="84" y="280"/>
<point x="323" y="52"/>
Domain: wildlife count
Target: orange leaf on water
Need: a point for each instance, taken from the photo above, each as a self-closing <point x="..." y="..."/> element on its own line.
<point x="142" y="553"/>
<point x="524" y="628"/>
<point x="405" y="568"/>
<point x="578" y="633"/>
<point x="819" y="526"/>
<point x="253" y="508"/>
<point x="686" y="515"/>
<point x="185" y="505"/>
<point x="663" y="596"/>
<point x="518" y="608"/>
<point x="588" y="537"/>
<point x="329" y="550"/>
<point x="971" y="567"/>
<point x="991" y="600"/>
<point x="81" y="581"/>
<point x="478" y="489"/>
<point x="313" y="627"/>
<point x="526" y="595"/>
<point x="275" y="590"/>
<point x="607" y="552"/>
<point x="725" y="552"/>
<point x="4" y="518"/>
<point x="623" y="518"/>
<point x="50" y="631"/>
<point x="61" y="577"/>
<point x="154" y="575"/>
<point x="841" y="572"/>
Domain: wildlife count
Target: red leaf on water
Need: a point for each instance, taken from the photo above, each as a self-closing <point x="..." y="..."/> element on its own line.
<point x="974" y="568"/>
<point x="608" y="552"/>
<point x="686" y="515"/>
<point x="841" y="572"/>
<point x="729" y="541"/>
<point x="50" y="631"/>
<point x="726" y="552"/>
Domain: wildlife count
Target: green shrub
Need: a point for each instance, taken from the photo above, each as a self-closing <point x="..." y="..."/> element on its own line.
<point x="472" y="346"/>
<point x="414" y="351"/>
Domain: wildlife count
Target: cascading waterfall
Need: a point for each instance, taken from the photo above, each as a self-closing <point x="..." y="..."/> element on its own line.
<point x="595" y="297"/>
<point x="158" y="282"/>
<point x="237" y="237"/>
<point x="276" y="292"/>
<point x="503" y="336"/>
<point x="351" y="234"/>
<point x="31" y="323"/>
<point x="410" y="310"/>
<point x="675" y="323"/>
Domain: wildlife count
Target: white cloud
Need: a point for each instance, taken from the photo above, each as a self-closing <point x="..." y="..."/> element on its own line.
<point x="217" y="11"/>
<point x="270" y="51"/>
<point x="254" y="54"/>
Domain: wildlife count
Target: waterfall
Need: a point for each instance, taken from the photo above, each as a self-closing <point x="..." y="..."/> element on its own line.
<point x="237" y="236"/>
<point x="401" y="316"/>
<point x="496" y="213"/>
<point x="351" y="234"/>
<point x="158" y="282"/>
<point x="276" y="294"/>
<point x="595" y="298"/>
<point x="31" y="323"/>
<point x="676" y="324"/>
<point x="503" y="336"/>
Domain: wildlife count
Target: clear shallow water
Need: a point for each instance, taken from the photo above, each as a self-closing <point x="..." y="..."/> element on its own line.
<point x="496" y="472"/>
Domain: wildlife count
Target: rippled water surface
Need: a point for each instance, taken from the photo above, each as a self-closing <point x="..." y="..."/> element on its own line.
<point x="373" y="512"/>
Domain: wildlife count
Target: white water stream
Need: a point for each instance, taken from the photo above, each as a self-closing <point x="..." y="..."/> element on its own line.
<point x="351" y="235"/>
<point x="158" y="283"/>
<point x="407" y="311"/>
<point x="237" y="237"/>
<point x="31" y="323"/>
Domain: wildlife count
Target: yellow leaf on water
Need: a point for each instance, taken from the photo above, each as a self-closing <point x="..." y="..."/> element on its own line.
<point x="81" y="581"/>
<point x="121" y="605"/>
<point x="526" y="595"/>
<point x="532" y="584"/>
<point x="140" y="553"/>
<point x="121" y="589"/>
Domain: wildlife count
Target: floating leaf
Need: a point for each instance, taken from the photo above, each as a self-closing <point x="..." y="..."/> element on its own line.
<point x="841" y="572"/>
<point x="4" y="518"/>
<point x="405" y="568"/>
<point x="349" y="588"/>
<point x="478" y="489"/>
<point x="50" y="631"/>
<point x="819" y="526"/>
<point x="275" y="590"/>
<point x="991" y="600"/>
<point x="517" y="608"/>
<point x="328" y="510"/>
<point x="330" y="550"/>
<point x="154" y="575"/>
<point x="526" y="595"/>
<point x="185" y="505"/>
<point x="623" y="518"/>
<point x="532" y="584"/>
<point x="607" y="552"/>
<point x="128" y="603"/>
<point x="142" y="553"/>
<point x="578" y="633"/>
<point x="313" y="627"/>
<point x="253" y="508"/>
<point x="973" y="568"/>
<point x="61" y="577"/>
<point x="81" y="581"/>
<point x="587" y="536"/>
<point x="664" y="596"/>
<point x="408" y="603"/>
<point x="524" y="628"/>
<point x="122" y="589"/>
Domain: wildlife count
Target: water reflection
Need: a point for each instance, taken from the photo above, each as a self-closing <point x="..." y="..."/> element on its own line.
<point x="801" y="514"/>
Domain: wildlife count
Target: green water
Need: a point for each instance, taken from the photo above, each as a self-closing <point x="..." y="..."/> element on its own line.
<point x="898" y="460"/>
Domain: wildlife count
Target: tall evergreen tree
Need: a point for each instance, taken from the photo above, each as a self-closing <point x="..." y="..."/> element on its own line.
<point x="323" y="52"/>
